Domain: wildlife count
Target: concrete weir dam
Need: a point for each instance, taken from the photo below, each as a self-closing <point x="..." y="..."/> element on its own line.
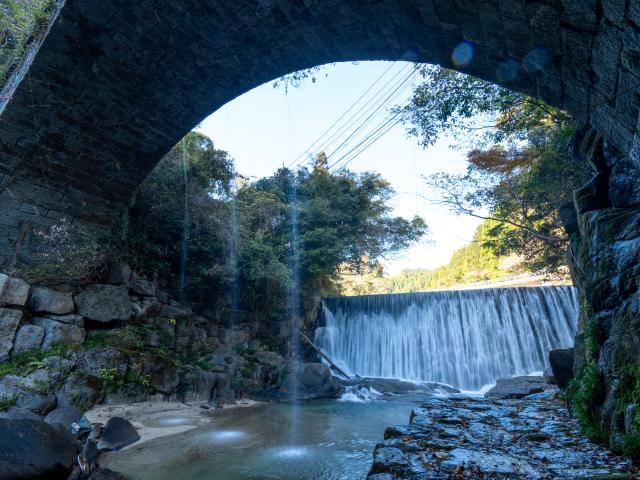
<point x="467" y="339"/>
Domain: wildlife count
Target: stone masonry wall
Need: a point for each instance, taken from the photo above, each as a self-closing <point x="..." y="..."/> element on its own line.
<point x="605" y="259"/>
<point x="116" y="85"/>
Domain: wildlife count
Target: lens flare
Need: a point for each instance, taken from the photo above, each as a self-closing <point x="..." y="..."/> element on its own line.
<point x="462" y="55"/>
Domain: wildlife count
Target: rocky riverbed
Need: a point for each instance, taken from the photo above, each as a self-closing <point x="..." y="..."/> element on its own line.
<point x="471" y="438"/>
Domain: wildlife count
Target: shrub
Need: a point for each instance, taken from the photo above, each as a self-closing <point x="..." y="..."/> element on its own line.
<point x="69" y="254"/>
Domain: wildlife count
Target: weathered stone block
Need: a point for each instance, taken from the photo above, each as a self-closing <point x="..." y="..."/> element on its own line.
<point x="13" y="291"/>
<point x="46" y="300"/>
<point x="57" y="333"/>
<point x="9" y="320"/>
<point x="29" y="337"/>
<point x="104" y="303"/>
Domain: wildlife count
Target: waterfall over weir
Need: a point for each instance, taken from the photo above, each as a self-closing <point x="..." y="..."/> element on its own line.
<point x="466" y="338"/>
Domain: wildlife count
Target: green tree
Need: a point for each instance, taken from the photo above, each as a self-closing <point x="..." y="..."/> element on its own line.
<point x="519" y="172"/>
<point x="194" y="176"/>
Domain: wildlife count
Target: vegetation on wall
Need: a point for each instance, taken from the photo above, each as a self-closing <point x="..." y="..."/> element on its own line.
<point x="19" y="22"/>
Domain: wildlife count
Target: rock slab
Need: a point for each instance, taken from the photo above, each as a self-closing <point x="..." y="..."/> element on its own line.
<point x="475" y="439"/>
<point x="517" y="387"/>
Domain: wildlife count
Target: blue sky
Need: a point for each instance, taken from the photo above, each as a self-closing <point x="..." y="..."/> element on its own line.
<point x="266" y="128"/>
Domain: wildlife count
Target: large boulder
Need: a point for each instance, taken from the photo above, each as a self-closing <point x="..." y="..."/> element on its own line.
<point x="314" y="380"/>
<point x="13" y="291"/>
<point x="32" y="449"/>
<point x="561" y="362"/>
<point x="517" y="387"/>
<point x="104" y="303"/>
<point x="47" y="300"/>
<point x="117" y="433"/>
<point x="9" y="320"/>
<point x="58" y="333"/>
<point x="29" y="337"/>
<point x="63" y="416"/>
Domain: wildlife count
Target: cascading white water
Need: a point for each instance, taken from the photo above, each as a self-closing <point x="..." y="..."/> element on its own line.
<point x="466" y="338"/>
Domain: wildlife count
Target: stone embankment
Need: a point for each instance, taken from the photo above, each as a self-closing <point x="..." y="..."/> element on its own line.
<point x="64" y="349"/>
<point x="510" y="434"/>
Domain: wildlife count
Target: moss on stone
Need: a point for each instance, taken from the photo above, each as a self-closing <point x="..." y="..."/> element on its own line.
<point x="583" y="394"/>
<point x="19" y="22"/>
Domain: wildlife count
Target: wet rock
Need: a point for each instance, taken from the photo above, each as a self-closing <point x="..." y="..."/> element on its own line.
<point x="9" y="320"/>
<point x="390" y="460"/>
<point x="63" y="416"/>
<point x="459" y="438"/>
<point x="314" y="380"/>
<point x="57" y="333"/>
<point x="144" y="288"/>
<point x="31" y="449"/>
<point x="104" y="303"/>
<point x="47" y="300"/>
<point x="561" y="362"/>
<point x="13" y="291"/>
<point x="395" y="387"/>
<point x="119" y="273"/>
<point x="517" y="387"/>
<point x="116" y="434"/>
<point x="29" y="337"/>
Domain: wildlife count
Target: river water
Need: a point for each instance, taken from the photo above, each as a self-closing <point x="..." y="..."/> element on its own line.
<point x="335" y="441"/>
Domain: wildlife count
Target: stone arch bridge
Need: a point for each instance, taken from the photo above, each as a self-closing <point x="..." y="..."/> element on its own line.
<point x="116" y="84"/>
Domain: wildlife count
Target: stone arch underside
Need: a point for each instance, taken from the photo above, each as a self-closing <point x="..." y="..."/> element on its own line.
<point x="116" y="84"/>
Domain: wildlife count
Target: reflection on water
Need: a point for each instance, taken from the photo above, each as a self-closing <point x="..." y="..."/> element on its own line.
<point x="335" y="442"/>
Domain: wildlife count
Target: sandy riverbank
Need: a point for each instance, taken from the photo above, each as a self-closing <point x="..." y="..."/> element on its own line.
<point x="160" y="419"/>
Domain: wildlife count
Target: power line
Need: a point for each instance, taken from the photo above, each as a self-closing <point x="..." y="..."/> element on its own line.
<point x="367" y="106"/>
<point x="393" y="93"/>
<point x="343" y="115"/>
<point x="369" y="140"/>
